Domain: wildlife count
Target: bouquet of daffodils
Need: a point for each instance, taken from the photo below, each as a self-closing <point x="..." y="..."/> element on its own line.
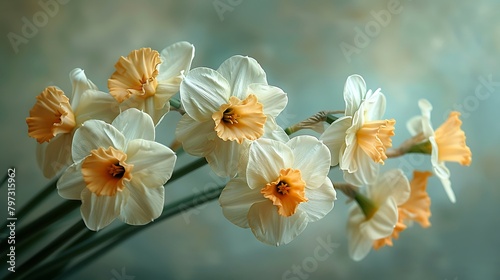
<point x="100" y="147"/>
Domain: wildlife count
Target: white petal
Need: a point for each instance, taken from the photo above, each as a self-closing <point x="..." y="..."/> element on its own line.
<point x="312" y="158"/>
<point x="393" y="184"/>
<point x="54" y="156"/>
<point x="94" y="134"/>
<point x="224" y="158"/>
<point x="96" y="105"/>
<point x="334" y="137"/>
<point x="271" y="228"/>
<point x="176" y="59"/>
<point x="320" y="201"/>
<point x="359" y="244"/>
<point x="80" y="84"/>
<point x="374" y="108"/>
<point x="414" y="125"/>
<point x="143" y="204"/>
<point x="266" y="159"/>
<point x="441" y="170"/>
<point x="203" y="91"/>
<point x="272" y="98"/>
<point x="240" y="72"/>
<point x="354" y="93"/>
<point x="197" y="138"/>
<point x="383" y="222"/>
<point x="134" y="124"/>
<point x="99" y="211"/>
<point x="148" y="105"/>
<point x="71" y="183"/>
<point x="153" y="162"/>
<point x="426" y="108"/>
<point x="236" y="200"/>
<point x="366" y="171"/>
<point x="274" y="131"/>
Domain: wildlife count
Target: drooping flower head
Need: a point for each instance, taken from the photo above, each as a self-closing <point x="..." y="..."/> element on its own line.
<point x="447" y="143"/>
<point x="284" y="186"/>
<point x="54" y="119"/>
<point x="416" y="208"/>
<point x="118" y="171"/>
<point x="358" y="140"/>
<point x="376" y="213"/>
<point x="146" y="79"/>
<point x="225" y="108"/>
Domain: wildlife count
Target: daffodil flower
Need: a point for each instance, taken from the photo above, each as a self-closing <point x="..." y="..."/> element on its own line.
<point x="376" y="213"/>
<point x="447" y="143"/>
<point x="54" y="119"/>
<point x="358" y="140"/>
<point x="416" y="208"/>
<point x="225" y="108"/>
<point x="284" y="187"/>
<point x="146" y="79"/>
<point x="118" y="171"/>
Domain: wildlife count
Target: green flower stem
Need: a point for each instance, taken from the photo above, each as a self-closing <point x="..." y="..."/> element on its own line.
<point x="331" y="118"/>
<point x="50" y="248"/>
<point x="187" y="169"/>
<point x="175" y="103"/>
<point x="366" y="205"/>
<point x="113" y="237"/>
<point x="4" y="179"/>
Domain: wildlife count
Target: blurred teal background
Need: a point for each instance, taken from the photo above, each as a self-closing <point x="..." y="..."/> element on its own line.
<point x="440" y="50"/>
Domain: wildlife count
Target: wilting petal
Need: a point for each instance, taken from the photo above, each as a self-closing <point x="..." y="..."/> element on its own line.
<point x="240" y="72"/>
<point x="273" y="229"/>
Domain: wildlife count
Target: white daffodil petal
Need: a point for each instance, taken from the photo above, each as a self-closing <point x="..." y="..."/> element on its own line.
<point x="203" y="91"/>
<point x="359" y="244"/>
<point x="71" y="183"/>
<point x="134" y="124"/>
<point x="99" y="211"/>
<point x="197" y="138"/>
<point x="176" y="59"/>
<point x="366" y="169"/>
<point x="240" y="72"/>
<point x="271" y="228"/>
<point x="92" y="135"/>
<point x="55" y="155"/>
<point x="143" y="205"/>
<point x="383" y="222"/>
<point x="414" y="125"/>
<point x="236" y="200"/>
<point x="153" y="163"/>
<point x="334" y="137"/>
<point x="320" y="201"/>
<point x="354" y="93"/>
<point x="312" y="158"/>
<point x="426" y="108"/>
<point x="274" y="131"/>
<point x="80" y="84"/>
<point x="393" y="184"/>
<point x="98" y="105"/>
<point x="272" y="98"/>
<point x="375" y="106"/>
<point x="224" y="158"/>
<point x="266" y="159"/>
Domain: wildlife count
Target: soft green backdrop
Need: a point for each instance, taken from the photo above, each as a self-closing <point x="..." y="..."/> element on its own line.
<point x="439" y="50"/>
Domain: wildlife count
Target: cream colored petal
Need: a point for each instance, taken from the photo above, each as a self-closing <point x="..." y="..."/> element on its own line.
<point x="143" y="204"/>
<point x="334" y="137"/>
<point x="176" y="59"/>
<point x="240" y="72"/>
<point x="359" y="244"/>
<point x="441" y="171"/>
<point x="426" y="108"/>
<point x="236" y="200"/>
<point x="224" y="158"/>
<point x="274" y="131"/>
<point x="271" y="228"/>
<point x="99" y="211"/>
<point x="266" y="159"/>
<point x="96" y="105"/>
<point x="197" y="138"/>
<point x="354" y="93"/>
<point x="71" y="183"/>
<point x="54" y="156"/>
<point x="202" y="92"/>
<point x="153" y="162"/>
<point x="312" y="158"/>
<point x="80" y="84"/>
<point x="274" y="99"/>
<point x="374" y="108"/>
<point x="392" y="183"/>
<point x="134" y="124"/>
<point x="366" y="170"/>
<point x="383" y="222"/>
<point x="94" y="134"/>
<point x="320" y="201"/>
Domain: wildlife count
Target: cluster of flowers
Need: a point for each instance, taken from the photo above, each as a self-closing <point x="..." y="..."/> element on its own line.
<point x="104" y="145"/>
